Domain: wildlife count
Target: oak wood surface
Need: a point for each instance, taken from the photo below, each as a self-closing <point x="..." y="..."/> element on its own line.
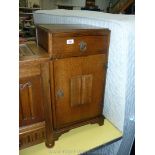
<point x="31" y="134"/>
<point x="47" y="104"/>
<point x="54" y="39"/>
<point x="75" y="29"/>
<point x="30" y="53"/>
<point x="31" y="100"/>
<point x="81" y="79"/>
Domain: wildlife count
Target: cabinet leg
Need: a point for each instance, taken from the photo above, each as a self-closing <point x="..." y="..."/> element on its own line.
<point x="49" y="139"/>
<point x="101" y="121"/>
<point x="49" y="144"/>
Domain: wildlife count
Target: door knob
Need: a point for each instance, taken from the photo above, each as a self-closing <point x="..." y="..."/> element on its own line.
<point x="59" y="93"/>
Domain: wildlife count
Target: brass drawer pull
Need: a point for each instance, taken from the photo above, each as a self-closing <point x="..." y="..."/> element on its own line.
<point x="83" y="46"/>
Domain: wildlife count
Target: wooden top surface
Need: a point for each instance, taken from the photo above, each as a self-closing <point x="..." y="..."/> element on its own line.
<point x="30" y="52"/>
<point x="62" y="28"/>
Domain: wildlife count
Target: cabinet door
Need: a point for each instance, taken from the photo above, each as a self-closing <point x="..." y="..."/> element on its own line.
<point x="30" y="95"/>
<point x="79" y="87"/>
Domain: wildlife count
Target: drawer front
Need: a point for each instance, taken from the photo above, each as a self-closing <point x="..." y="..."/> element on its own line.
<point x="73" y="43"/>
<point x="78" y="46"/>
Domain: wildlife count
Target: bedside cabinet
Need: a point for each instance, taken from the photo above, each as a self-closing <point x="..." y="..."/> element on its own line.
<point x="78" y="63"/>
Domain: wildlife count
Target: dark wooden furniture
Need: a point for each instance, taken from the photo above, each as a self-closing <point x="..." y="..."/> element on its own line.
<point x="62" y="81"/>
<point x="123" y="6"/>
<point x="34" y="94"/>
<point x="79" y="55"/>
<point x="65" y="7"/>
<point x="90" y="5"/>
<point x="26" y="24"/>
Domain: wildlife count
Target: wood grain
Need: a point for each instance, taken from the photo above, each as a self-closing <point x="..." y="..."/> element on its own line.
<point x="31" y="100"/>
<point x="49" y="141"/>
<point x="75" y="91"/>
<point x="86" y="94"/>
<point x="53" y="38"/>
<point x="34" y="97"/>
<point x="93" y="77"/>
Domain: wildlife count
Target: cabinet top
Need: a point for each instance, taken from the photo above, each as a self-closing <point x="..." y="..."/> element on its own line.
<point x="30" y="52"/>
<point x="73" y="28"/>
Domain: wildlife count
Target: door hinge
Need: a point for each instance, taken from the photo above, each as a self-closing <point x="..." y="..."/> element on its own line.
<point x="106" y="66"/>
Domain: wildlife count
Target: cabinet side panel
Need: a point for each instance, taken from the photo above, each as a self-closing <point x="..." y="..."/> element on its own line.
<point x="42" y="38"/>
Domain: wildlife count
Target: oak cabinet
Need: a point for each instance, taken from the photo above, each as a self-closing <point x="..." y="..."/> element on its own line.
<point x="34" y="95"/>
<point x="78" y="63"/>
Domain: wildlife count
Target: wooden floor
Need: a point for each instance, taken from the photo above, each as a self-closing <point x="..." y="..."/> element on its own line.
<point x="78" y="140"/>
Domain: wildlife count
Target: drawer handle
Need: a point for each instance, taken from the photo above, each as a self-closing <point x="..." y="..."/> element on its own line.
<point x="83" y="46"/>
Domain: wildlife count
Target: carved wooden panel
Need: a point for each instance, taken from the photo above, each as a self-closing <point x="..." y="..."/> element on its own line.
<point x="87" y="81"/>
<point x="26" y="97"/>
<point x="75" y="91"/>
<point x="32" y="135"/>
<point x="34" y="99"/>
<point x="31" y="100"/>
<point x="81" y="90"/>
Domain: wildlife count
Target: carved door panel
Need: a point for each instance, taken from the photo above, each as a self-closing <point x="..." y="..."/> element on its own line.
<point x="79" y="86"/>
<point x="30" y="96"/>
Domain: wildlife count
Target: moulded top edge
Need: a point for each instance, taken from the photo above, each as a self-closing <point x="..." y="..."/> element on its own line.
<point x="58" y="28"/>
